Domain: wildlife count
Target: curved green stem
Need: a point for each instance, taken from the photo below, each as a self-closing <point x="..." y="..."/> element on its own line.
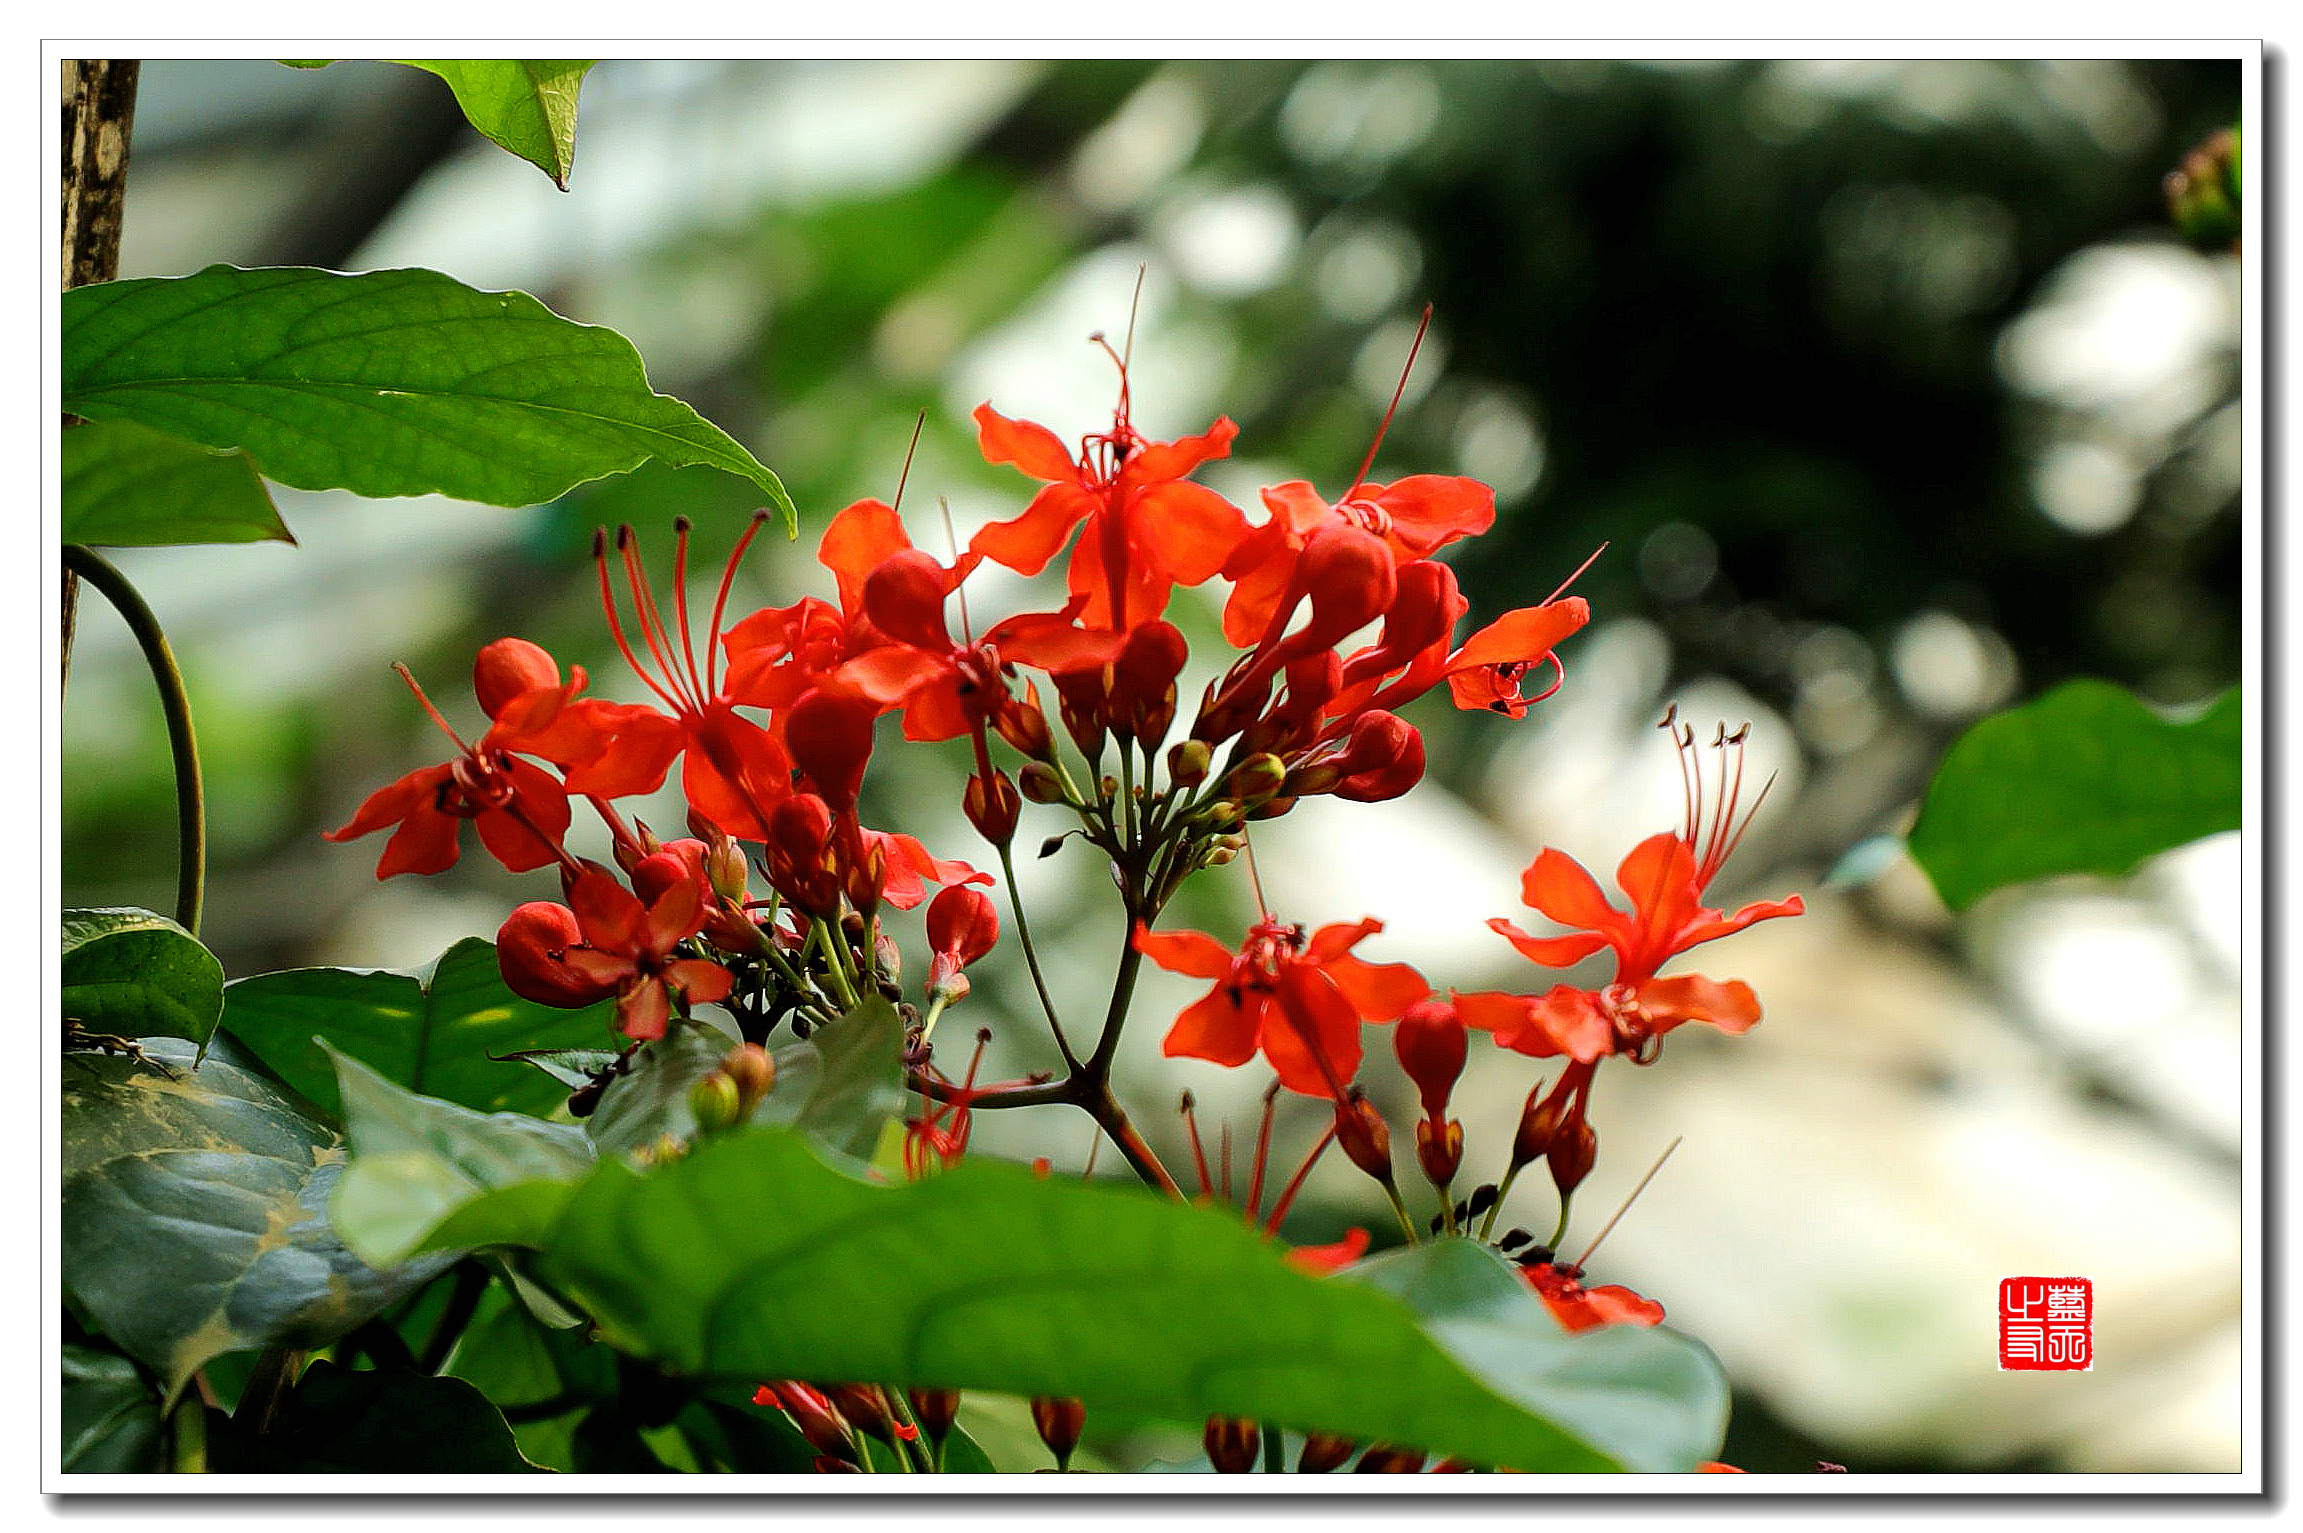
<point x="1032" y="956"/>
<point x="191" y="801"/>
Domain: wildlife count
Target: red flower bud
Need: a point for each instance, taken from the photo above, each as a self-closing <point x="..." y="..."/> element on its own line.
<point x="1143" y="677"/>
<point x="936" y="1409"/>
<point x="1232" y="1443"/>
<point x="830" y="738"/>
<point x="1383" y="759"/>
<point x="532" y="948"/>
<point x="1538" y="1126"/>
<point x="1433" y="1047"/>
<point x="508" y="668"/>
<point x="963" y="925"/>
<point x="1365" y="1137"/>
<point x="994" y="810"/>
<point x="1060" y="1423"/>
<point x="1383" y="1459"/>
<point x="864" y="1407"/>
<point x="904" y="598"/>
<point x="1024" y="725"/>
<point x="1351" y="579"/>
<point x="813" y="1413"/>
<point x="1324" y="1453"/>
<point x="1572" y="1154"/>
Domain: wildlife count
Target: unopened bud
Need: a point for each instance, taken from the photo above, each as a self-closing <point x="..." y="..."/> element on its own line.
<point x="1324" y="1453"/>
<point x="1271" y="808"/>
<point x="864" y="1408"/>
<point x="717" y="1102"/>
<point x="1538" y="1126"/>
<point x="1305" y="782"/>
<point x="936" y="1409"/>
<point x="1439" y="1150"/>
<point x="1259" y="776"/>
<point x="813" y="1413"/>
<point x="753" y="1070"/>
<point x="1060" y="1423"/>
<point x="1040" y="783"/>
<point x="1572" y="1153"/>
<point x="1365" y="1137"/>
<point x="1383" y="1459"/>
<point x="1232" y="1443"/>
<point x="1024" y="725"/>
<point x="728" y="871"/>
<point x="994" y="809"/>
<point x="1188" y="763"/>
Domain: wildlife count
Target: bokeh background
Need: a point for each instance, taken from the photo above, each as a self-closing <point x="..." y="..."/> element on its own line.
<point x="1885" y="385"/>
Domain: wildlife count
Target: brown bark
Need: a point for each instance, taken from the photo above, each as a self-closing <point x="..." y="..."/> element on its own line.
<point x="99" y="116"/>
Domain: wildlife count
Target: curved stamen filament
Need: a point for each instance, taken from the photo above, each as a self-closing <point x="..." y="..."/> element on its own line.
<point x="438" y="717"/>
<point x="727" y="586"/>
<point x="652" y="618"/>
<point x="1286" y="1201"/>
<point x="616" y="623"/>
<point x="1397" y="395"/>
<point x="685" y="528"/>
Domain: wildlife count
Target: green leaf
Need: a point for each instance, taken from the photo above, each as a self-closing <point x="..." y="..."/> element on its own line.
<point x="195" y="1212"/>
<point x="110" y="1417"/>
<point x="342" y="1421"/>
<point x="651" y="1099"/>
<point x="989" y="1277"/>
<point x="126" y="486"/>
<point x="134" y="974"/>
<point x="431" y="1030"/>
<point x="526" y="105"/>
<point x="2084" y="780"/>
<point x="417" y="1160"/>
<point x="384" y="383"/>
<point x="857" y="1084"/>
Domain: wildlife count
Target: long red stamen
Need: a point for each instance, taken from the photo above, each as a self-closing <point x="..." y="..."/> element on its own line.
<point x="1397" y="395"/>
<point x="1286" y="1202"/>
<point x="1578" y="575"/>
<point x="438" y="717"/>
<point x="651" y="617"/>
<point x="1198" y="1150"/>
<point x="1263" y="1149"/>
<point x="684" y="528"/>
<point x="720" y="606"/>
<point x="616" y="621"/>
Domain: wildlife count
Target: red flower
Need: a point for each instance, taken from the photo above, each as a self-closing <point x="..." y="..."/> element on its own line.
<point x="1487" y="671"/>
<point x="1300" y="1004"/>
<point x="1666" y="877"/>
<point x="1149" y="529"/>
<point x="1411" y="518"/>
<point x="520" y="809"/>
<point x="963" y="926"/>
<point x="1320" y="1261"/>
<point x="1584" y="1309"/>
<point x="610" y="943"/>
<point x="735" y="771"/>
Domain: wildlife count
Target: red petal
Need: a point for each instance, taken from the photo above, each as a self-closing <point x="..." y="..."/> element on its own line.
<point x="1186" y="952"/>
<point x="429" y="840"/>
<point x="1310" y="1013"/>
<point x="1189" y="529"/>
<point x="1172" y="460"/>
<point x="1026" y="543"/>
<point x="636" y="759"/>
<point x="857" y="542"/>
<point x="393" y="802"/>
<point x="1551" y="952"/>
<point x="1430" y="510"/>
<point x="1215" y="1029"/>
<point x="1524" y="636"/>
<point x="1729" y="1005"/>
<point x="610" y="914"/>
<point x="700" y="980"/>
<point x="1557" y="885"/>
<point x="1031" y="447"/>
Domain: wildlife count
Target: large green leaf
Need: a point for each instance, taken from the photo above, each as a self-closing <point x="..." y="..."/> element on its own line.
<point x="526" y="105"/>
<point x="384" y="383"/>
<point x="430" y="1030"/>
<point x="2084" y="780"/>
<point x="195" y="1212"/>
<point x="989" y="1277"/>
<point x="125" y="485"/>
<point x="134" y="974"/>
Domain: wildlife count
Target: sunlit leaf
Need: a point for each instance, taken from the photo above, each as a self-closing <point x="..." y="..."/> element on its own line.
<point x="431" y="1030"/>
<point x="526" y="105"/>
<point x="384" y="383"/>
<point x="127" y="486"/>
<point x="987" y="1276"/>
<point x="2084" y="780"/>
